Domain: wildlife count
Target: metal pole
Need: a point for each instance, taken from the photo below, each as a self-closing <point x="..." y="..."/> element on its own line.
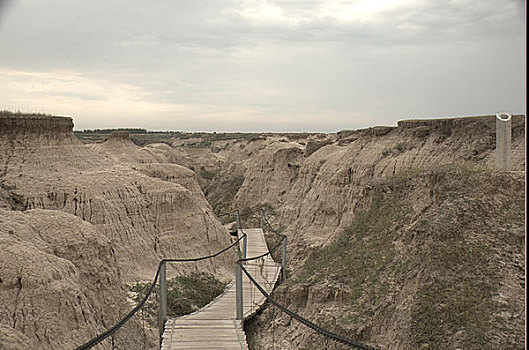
<point x="284" y="259"/>
<point x="238" y="291"/>
<point x="244" y="245"/>
<point x="503" y="141"/>
<point x="163" y="298"/>
<point x="238" y="219"/>
<point x="262" y="219"/>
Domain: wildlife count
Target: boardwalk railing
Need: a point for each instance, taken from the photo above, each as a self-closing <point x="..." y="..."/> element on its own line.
<point x="161" y="276"/>
<point x="240" y="268"/>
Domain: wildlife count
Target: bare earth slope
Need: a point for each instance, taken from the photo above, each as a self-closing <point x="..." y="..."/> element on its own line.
<point x="145" y="210"/>
<point x="433" y="259"/>
<point x="59" y="283"/>
<point x="315" y="194"/>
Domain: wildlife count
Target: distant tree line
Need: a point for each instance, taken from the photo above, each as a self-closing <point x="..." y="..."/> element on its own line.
<point x="109" y="131"/>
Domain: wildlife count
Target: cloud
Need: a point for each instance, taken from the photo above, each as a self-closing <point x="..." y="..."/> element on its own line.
<point x="3" y="6"/>
<point x="65" y="92"/>
<point x="134" y="34"/>
<point x="248" y="63"/>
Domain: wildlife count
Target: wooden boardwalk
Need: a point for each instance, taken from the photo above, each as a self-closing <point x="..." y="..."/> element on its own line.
<point x="214" y="326"/>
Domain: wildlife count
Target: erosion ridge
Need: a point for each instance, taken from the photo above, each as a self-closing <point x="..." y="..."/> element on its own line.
<point x="59" y="275"/>
<point x="45" y="130"/>
<point x="318" y="195"/>
<point x="36" y="124"/>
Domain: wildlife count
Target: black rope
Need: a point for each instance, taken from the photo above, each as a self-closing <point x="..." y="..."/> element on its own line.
<point x="124" y="320"/>
<point x="233" y="212"/>
<point x="96" y="340"/>
<point x="269" y="252"/>
<point x="209" y="256"/>
<point x="249" y="211"/>
<point x="303" y="320"/>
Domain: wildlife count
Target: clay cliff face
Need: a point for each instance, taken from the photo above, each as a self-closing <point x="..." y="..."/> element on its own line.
<point x="278" y="165"/>
<point x="317" y="194"/>
<point x="46" y="129"/>
<point x="434" y="259"/>
<point x="59" y="283"/>
<point x="138" y="210"/>
<point x="373" y="217"/>
<point x="146" y="209"/>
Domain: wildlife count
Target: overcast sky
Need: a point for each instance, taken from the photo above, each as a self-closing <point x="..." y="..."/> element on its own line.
<point x="227" y="65"/>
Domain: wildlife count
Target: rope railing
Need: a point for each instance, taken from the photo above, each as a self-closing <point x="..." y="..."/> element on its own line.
<point x="269" y="252"/>
<point x="99" y="338"/>
<point x="246" y="211"/>
<point x="328" y="334"/>
<point x="235" y="215"/>
<point x="282" y="240"/>
<point x="161" y="275"/>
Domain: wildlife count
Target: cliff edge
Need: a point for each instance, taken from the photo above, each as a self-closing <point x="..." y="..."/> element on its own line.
<point x="46" y="129"/>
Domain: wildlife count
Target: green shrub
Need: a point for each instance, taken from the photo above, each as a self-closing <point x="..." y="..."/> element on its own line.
<point x="206" y="174"/>
<point x="185" y="294"/>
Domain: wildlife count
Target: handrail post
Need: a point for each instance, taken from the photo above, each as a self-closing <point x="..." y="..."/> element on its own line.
<point x="238" y="291"/>
<point x="262" y="219"/>
<point x="284" y="259"/>
<point x="244" y="245"/>
<point x="238" y="219"/>
<point x="163" y="298"/>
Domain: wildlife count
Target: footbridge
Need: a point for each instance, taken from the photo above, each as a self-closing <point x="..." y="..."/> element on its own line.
<point x="220" y="324"/>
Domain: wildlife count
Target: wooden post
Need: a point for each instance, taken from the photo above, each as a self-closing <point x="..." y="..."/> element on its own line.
<point x="238" y="291"/>
<point x="262" y="218"/>
<point x="284" y="259"/>
<point x="163" y="298"/>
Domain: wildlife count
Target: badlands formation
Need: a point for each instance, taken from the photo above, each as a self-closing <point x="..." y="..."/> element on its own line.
<point x="77" y="224"/>
<point x="400" y="237"/>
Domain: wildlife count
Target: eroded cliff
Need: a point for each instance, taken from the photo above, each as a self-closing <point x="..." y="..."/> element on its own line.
<point x="60" y="284"/>
<point x="123" y="210"/>
<point x="433" y="259"/>
<point x="316" y="195"/>
<point x="436" y="264"/>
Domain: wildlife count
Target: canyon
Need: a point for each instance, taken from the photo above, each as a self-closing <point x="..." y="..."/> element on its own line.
<point x="399" y="237"/>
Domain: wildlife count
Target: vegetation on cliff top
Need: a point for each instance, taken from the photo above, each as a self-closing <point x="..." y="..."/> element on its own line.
<point x="6" y="113"/>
